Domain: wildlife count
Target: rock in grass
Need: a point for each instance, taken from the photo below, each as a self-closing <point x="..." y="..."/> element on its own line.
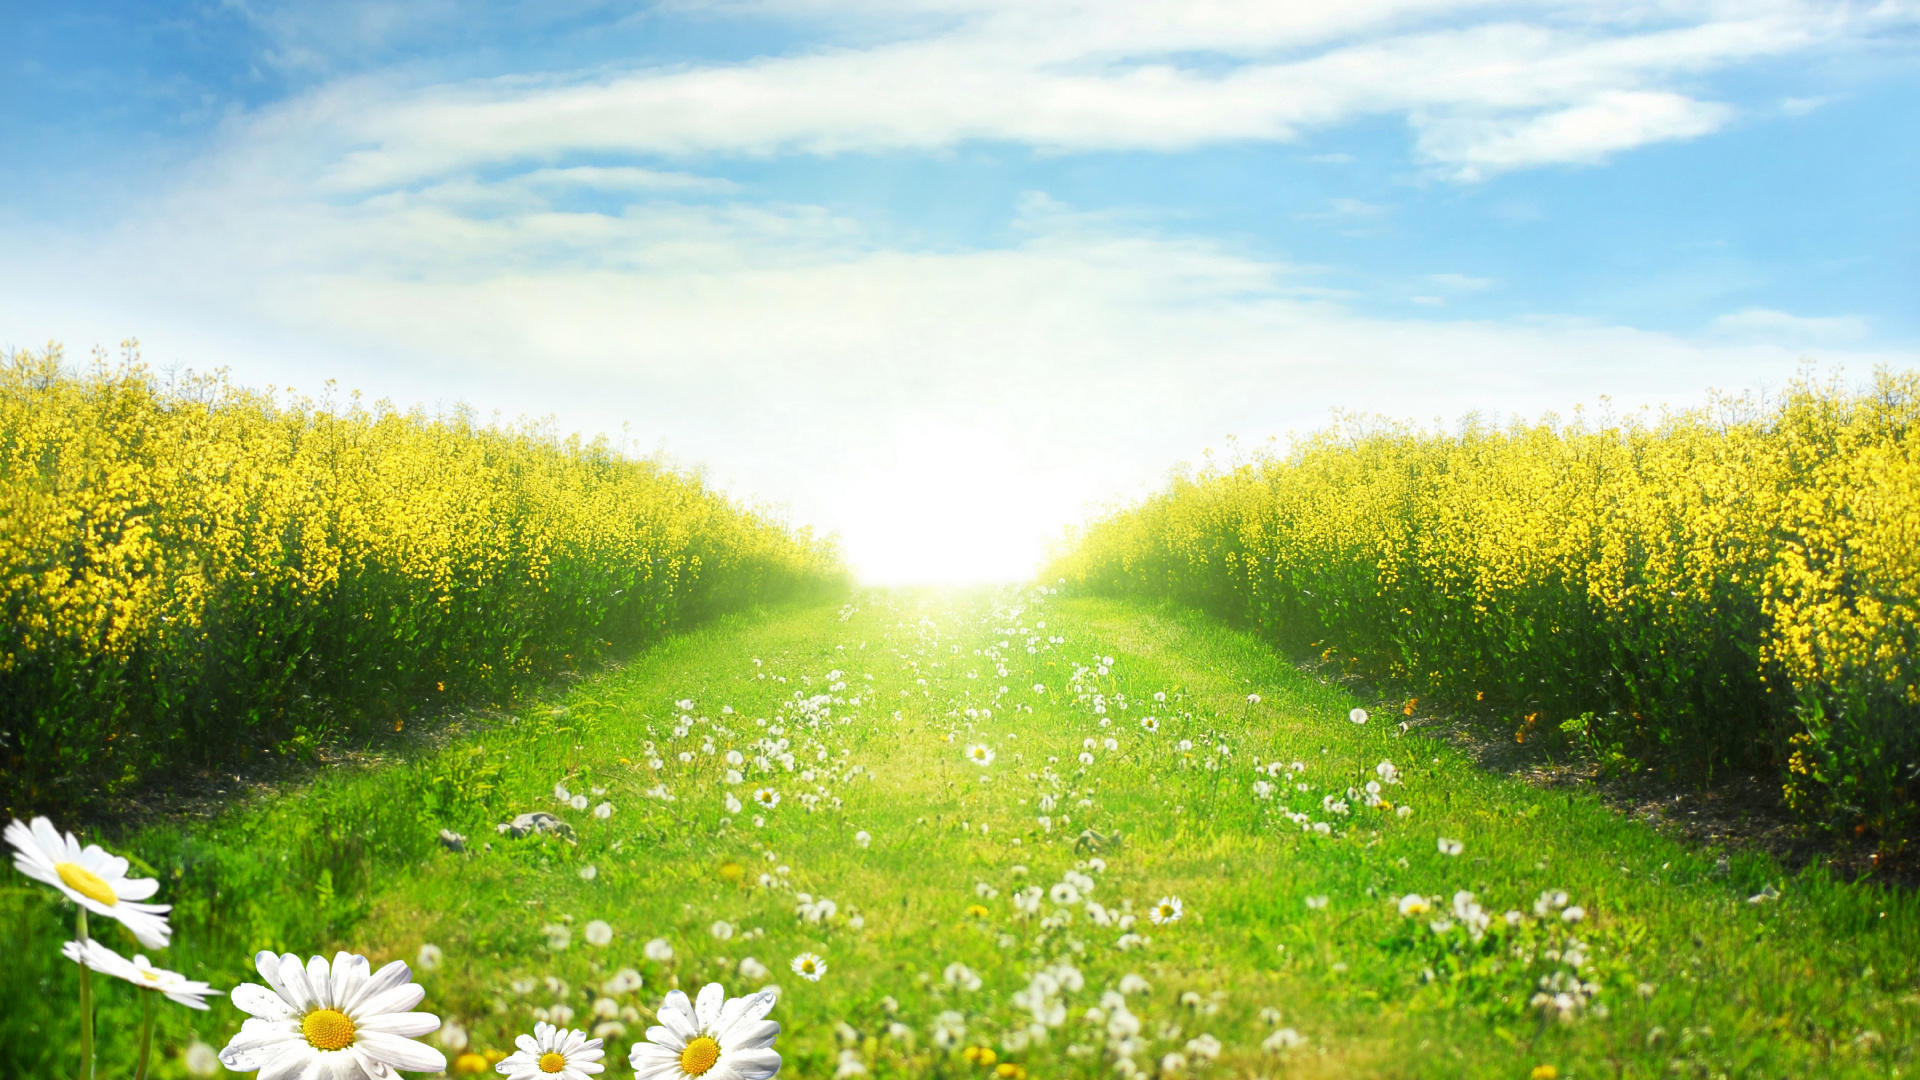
<point x="453" y="841"/>
<point x="538" y="821"/>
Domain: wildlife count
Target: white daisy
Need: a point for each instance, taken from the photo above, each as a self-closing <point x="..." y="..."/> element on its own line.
<point x="553" y="1052"/>
<point x="1167" y="910"/>
<point x="331" y="1023"/>
<point x="90" y="877"/>
<point x="766" y="797"/>
<point x="809" y="966"/>
<point x="139" y="972"/>
<point x="980" y="754"/>
<point x="719" y="1038"/>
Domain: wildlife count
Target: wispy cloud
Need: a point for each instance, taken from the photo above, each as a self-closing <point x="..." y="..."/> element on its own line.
<point x="1483" y="91"/>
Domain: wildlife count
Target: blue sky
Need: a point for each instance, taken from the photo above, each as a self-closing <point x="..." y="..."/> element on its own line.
<point x="941" y="274"/>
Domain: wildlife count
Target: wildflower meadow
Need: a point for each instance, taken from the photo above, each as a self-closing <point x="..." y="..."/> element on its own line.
<point x="1010" y="834"/>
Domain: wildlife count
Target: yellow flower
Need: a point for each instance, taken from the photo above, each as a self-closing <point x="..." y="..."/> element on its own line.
<point x="1545" y="1072"/>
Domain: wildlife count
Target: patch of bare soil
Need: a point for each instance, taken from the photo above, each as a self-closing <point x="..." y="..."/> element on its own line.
<point x="1743" y="812"/>
<point x="1729" y="814"/>
<point x="196" y="795"/>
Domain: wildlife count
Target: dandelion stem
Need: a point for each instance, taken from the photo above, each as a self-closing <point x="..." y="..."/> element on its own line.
<point x="146" y="1033"/>
<point x="86" y="1005"/>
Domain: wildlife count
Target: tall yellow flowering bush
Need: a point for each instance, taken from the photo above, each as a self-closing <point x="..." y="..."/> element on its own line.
<point x="191" y="569"/>
<point x="1733" y="586"/>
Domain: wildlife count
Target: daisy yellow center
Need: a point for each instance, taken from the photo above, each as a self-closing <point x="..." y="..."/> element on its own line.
<point x="699" y="1056"/>
<point x="552" y="1062"/>
<point x="86" y="883"/>
<point x="327" y="1029"/>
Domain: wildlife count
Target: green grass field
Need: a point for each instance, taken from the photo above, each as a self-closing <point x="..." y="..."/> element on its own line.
<point x="1010" y="905"/>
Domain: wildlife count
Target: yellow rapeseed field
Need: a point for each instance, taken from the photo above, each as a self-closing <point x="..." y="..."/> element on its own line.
<point x="189" y="569"/>
<point x="1733" y="586"/>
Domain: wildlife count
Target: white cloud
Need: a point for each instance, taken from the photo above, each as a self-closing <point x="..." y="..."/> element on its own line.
<point x="1616" y="120"/>
<point x="1486" y="87"/>
<point x="1767" y="324"/>
<point x="1461" y="282"/>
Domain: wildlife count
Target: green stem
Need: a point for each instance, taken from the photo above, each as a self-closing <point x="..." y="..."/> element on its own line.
<point x="146" y="1032"/>
<point x="86" y="1005"/>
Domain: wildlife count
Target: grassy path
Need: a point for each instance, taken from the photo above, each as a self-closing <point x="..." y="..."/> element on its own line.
<point x="1009" y="905"/>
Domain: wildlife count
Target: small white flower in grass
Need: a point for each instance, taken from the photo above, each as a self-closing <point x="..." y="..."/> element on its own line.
<point x="1134" y="984"/>
<point x="1316" y="903"/>
<point x="735" y="759"/>
<point x="589" y="872"/>
<point x="429" y="957"/>
<point x="559" y="936"/>
<point x="1086" y="758"/>
<point x="766" y="798"/>
<point x="1064" y="894"/>
<point x="1283" y="1040"/>
<point x="658" y="950"/>
<point x="334" y="1020"/>
<point x="1168" y="910"/>
<point x="89" y="877"/>
<point x="453" y="1036"/>
<point x="1039" y="688"/>
<point x="862" y="838"/>
<point x="599" y="933"/>
<point x="1413" y="905"/>
<point x="139" y="972"/>
<point x="1403" y="810"/>
<point x="201" y="1060"/>
<point x="809" y="966"/>
<point x="980" y="754"/>
<point x="552" y="1052"/>
<point x="1574" y="914"/>
<point x="753" y="970"/>
<point x="1151" y="723"/>
<point x="732" y="804"/>
<point x="1253" y="699"/>
<point x="721" y="930"/>
<point x="578" y="802"/>
<point x="1449" y="847"/>
<point x="561" y="794"/>
<point x="1358" y="716"/>
<point x="603" y="811"/>
<point x="961" y="977"/>
<point x="624" y="981"/>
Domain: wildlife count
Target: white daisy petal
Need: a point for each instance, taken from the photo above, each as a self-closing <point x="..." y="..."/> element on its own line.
<point x="320" y="983"/>
<point x="706" y="1008"/>
<point x="392" y="1000"/>
<point x="400" y="1053"/>
<point x="756" y="1064"/>
<point x="349" y="976"/>
<point x="410" y="1025"/>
